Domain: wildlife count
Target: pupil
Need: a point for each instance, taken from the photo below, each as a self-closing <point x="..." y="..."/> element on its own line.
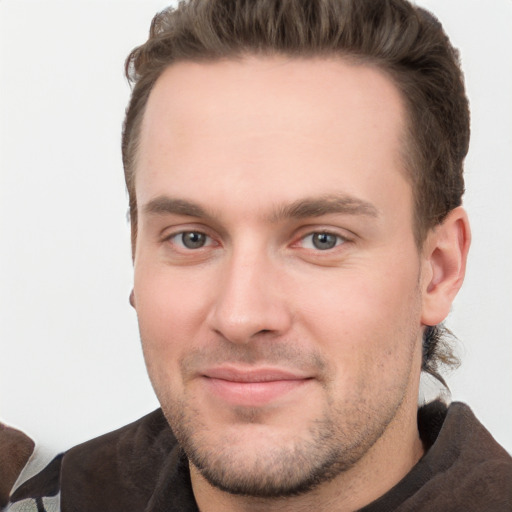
<point x="324" y="241"/>
<point x="193" y="240"/>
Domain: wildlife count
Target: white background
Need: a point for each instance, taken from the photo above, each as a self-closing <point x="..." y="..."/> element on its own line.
<point x="70" y="361"/>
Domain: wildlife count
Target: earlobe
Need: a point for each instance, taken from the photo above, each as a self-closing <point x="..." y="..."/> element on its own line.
<point x="132" y="299"/>
<point x="444" y="255"/>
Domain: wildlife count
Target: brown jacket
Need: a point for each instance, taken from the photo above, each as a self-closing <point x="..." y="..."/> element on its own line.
<point x="141" y="468"/>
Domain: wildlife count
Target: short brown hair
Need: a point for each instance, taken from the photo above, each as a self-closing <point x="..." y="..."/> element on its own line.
<point x="406" y="42"/>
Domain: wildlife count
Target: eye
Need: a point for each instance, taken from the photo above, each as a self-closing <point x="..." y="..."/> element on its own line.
<point x="191" y="239"/>
<point x="321" y="241"/>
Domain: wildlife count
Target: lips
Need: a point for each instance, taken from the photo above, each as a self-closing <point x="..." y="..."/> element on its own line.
<point x="252" y="387"/>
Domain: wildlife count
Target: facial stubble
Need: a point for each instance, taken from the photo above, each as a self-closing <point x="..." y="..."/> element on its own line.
<point x="331" y="444"/>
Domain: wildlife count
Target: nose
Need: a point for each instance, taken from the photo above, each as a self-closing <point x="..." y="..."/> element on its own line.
<point x="250" y="302"/>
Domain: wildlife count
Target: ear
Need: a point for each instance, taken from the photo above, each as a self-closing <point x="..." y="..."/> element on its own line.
<point x="444" y="253"/>
<point x="132" y="299"/>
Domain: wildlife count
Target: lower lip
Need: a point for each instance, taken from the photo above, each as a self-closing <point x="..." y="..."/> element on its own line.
<point x="252" y="394"/>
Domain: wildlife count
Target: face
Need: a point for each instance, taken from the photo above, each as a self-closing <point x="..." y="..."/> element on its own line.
<point x="276" y="272"/>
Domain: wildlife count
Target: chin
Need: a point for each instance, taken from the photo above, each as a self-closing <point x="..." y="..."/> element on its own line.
<point x="260" y="460"/>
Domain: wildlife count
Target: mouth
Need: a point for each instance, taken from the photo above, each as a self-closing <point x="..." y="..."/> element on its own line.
<point x="252" y="387"/>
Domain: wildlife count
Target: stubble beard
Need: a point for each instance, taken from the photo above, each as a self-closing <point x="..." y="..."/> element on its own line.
<point x="266" y="465"/>
<point x="280" y="470"/>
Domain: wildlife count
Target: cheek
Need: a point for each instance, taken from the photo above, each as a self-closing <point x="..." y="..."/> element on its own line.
<point x="169" y="315"/>
<point x="364" y="301"/>
<point x="373" y="341"/>
<point x="168" y="302"/>
<point x="365" y="317"/>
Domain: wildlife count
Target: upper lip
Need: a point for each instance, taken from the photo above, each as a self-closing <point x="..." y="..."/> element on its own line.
<point x="252" y="374"/>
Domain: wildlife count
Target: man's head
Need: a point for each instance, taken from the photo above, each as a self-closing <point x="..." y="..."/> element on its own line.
<point x="286" y="264"/>
<point x="404" y="41"/>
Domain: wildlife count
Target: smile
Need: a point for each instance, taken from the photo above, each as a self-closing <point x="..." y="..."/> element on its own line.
<point x="251" y="388"/>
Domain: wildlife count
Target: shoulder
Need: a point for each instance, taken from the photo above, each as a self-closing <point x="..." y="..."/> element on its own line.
<point x="475" y="446"/>
<point x="469" y="469"/>
<point x="464" y="468"/>
<point x="115" y="471"/>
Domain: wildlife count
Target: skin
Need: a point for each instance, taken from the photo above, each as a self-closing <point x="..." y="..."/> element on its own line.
<point x="280" y="294"/>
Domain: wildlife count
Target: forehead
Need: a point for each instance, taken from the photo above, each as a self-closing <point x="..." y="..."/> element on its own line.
<point x="269" y="124"/>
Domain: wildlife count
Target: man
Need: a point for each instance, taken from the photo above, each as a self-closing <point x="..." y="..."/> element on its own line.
<point x="295" y="180"/>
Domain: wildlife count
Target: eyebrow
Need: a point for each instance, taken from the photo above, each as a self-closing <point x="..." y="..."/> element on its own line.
<point x="300" y="209"/>
<point x="164" y="205"/>
<point x="324" y="205"/>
